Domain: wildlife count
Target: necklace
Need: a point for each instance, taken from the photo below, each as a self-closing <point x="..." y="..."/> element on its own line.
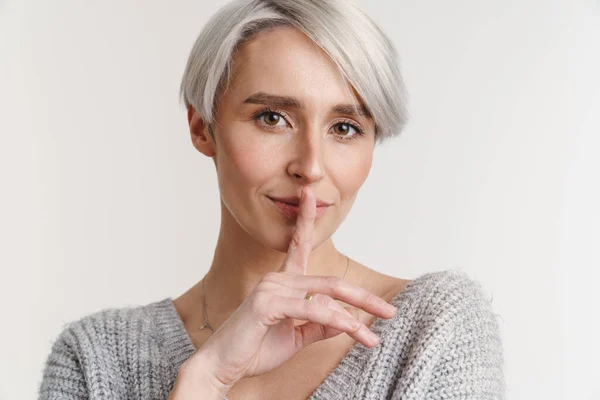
<point x="206" y="324"/>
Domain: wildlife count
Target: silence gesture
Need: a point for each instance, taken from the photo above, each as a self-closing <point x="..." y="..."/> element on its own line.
<point x="260" y="335"/>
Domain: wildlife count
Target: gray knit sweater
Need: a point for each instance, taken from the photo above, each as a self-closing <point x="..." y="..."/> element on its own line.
<point x="443" y="343"/>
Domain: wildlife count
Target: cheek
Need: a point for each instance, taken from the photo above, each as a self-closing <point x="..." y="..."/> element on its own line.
<point x="351" y="171"/>
<point x="246" y="162"/>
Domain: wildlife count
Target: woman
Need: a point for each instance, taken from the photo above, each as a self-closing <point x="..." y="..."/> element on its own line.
<point x="289" y="98"/>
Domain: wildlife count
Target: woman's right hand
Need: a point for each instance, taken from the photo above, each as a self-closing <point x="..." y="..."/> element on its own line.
<point x="260" y="335"/>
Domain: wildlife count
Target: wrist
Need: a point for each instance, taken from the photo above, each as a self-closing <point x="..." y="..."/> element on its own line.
<point x="198" y="375"/>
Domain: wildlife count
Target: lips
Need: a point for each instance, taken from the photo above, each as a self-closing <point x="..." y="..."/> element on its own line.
<point x="290" y="209"/>
<point x="295" y="200"/>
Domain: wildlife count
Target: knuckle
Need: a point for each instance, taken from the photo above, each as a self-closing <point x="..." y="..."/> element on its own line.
<point x="338" y="317"/>
<point x="324" y="300"/>
<point x="266" y="286"/>
<point x="271" y="276"/>
<point x="334" y="282"/>
<point x="295" y="242"/>
<point x="353" y="312"/>
<point x="369" y="298"/>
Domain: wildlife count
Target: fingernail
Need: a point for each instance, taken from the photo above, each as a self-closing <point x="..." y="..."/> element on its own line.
<point x="302" y="194"/>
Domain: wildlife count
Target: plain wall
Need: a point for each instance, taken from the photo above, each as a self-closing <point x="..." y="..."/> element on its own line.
<point x="105" y="203"/>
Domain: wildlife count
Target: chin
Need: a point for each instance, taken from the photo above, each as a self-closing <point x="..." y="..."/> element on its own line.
<point x="279" y="239"/>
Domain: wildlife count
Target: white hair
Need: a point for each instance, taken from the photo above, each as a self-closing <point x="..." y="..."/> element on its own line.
<point x="362" y="52"/>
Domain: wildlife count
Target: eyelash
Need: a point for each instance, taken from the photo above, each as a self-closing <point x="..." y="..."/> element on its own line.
<point x="267" y="110"/>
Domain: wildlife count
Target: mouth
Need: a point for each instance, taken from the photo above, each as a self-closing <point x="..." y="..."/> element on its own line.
<point x="295" y="200"/>
<point x="289" y="207"/>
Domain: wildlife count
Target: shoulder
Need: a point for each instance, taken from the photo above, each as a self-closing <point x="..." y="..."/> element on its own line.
<point x="448" y="292"/>
<point x="92" y="347"/>
<point x="102" y="330"/>
<point x="444" y="304"/>
<point x="447" y="310"/>
<point x="108" y="319"/>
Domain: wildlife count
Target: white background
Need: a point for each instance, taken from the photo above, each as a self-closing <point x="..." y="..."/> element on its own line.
<point x="105" y="203"/>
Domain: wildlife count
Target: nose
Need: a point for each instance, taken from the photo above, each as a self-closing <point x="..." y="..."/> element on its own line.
<point x="306" y="164"/>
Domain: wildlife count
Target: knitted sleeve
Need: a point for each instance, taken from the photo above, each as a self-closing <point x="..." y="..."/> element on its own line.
<point x="63" y="378"/>
<point x="470" y="365"/>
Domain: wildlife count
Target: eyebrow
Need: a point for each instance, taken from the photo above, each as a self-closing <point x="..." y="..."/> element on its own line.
<point x="292" y="102"/>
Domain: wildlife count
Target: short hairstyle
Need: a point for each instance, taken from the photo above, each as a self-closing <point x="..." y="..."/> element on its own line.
<point x="362" y="52"/>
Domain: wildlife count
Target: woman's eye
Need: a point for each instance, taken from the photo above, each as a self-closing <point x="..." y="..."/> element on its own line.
<point x="342" y="129"/>
<point x="271" y="118"/>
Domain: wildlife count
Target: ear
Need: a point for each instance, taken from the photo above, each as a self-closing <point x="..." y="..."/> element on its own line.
<point x="201" y="139"/>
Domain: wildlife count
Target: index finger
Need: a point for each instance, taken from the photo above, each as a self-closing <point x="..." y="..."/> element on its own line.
<point x="300" y="246"/>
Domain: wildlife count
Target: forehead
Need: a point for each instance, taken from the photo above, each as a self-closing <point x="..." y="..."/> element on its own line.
<point x="285" y="61"/>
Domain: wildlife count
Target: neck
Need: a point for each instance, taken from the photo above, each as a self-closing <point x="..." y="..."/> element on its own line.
<point x="240" y="262"/>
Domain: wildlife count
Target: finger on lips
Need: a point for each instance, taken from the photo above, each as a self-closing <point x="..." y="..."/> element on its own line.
<point x="301" y="243"/>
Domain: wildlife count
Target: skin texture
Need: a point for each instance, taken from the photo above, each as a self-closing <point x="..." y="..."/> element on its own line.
<point x="276" y="155"/>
